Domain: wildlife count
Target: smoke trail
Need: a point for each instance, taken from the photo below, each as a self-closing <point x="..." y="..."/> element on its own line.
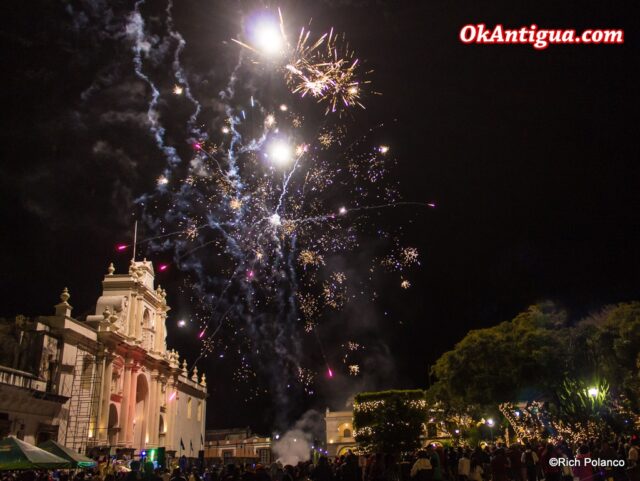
<point x="142" y="44"/>
<point x="180" y="74"/>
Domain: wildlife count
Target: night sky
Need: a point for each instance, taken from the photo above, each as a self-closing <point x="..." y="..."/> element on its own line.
<point x="531" y="156"/>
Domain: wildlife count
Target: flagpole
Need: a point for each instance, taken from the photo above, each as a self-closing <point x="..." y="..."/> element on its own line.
<point x="135" y="240"/>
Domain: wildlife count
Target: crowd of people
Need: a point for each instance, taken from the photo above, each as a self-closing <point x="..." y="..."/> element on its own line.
<point x="535" y="461"/>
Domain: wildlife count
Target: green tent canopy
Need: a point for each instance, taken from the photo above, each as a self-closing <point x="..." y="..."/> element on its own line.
<point x="16" y="454"/>
<point x="76" y="459"/>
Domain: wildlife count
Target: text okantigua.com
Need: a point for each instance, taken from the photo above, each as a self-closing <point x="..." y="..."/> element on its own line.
<point x="539" y="38"/>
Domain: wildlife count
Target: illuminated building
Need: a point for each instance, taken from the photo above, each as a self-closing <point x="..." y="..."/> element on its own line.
<point x="107" y="381"/>
<point x="339" y="430"/>
<point x="237" y="446"/>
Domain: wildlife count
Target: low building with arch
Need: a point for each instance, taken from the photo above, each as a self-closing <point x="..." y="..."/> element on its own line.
<point x="108" y="381"/>
<point x="339" y="432"/>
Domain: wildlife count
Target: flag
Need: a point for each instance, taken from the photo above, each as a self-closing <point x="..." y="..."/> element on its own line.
<point x="181" y="444"/>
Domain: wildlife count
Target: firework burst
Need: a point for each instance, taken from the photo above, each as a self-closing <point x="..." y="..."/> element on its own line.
<point x="324" y="68"/>
<point x="264" y="205"/>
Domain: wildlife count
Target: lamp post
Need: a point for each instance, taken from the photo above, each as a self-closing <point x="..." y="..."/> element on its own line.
<point x="490" y="423"/>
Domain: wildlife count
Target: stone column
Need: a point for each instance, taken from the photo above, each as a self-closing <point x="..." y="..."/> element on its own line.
<point x="163" y="389"/>
<point x="137" y="320"/>
<point x="156" y="418"/>
<point x="133" y="312"/>
<point x="105" y="399"/>
<point x="132" y="405"/>
<point x="159" y="332"/>
<point x="144" y="430"/>
<point x="124" y="404"/>
<point x="169" y="415"/>
<point x="153" y="407"/>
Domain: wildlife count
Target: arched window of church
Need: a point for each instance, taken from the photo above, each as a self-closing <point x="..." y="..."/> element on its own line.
<point x="189" y="408"/>
<point x="346" y="433"/>
<point x="199" y="410"/>
<point x="146" y="319"/>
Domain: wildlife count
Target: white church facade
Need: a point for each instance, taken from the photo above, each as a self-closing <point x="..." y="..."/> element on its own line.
<point x="104" y="382"/>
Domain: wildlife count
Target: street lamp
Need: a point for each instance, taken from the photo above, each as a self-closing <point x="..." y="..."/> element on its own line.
<point x="490" y="423"/>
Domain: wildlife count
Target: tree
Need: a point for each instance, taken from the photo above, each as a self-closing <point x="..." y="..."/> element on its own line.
<point x="613" y="335"/>
<point x="580" y="403"/>
<point x="389" y="421"/>
<point x="584" y="378"/>
<point x="515" y="360"/>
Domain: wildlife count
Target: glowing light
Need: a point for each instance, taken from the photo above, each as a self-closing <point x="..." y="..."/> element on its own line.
<point x="201" y="335"/>
<point x="269" y="120"/>
<point x="162" y="180"/>
<point x="277" y="436"/>
<point x="383" y="149"/>
<point x="342" y="210"/>
<point x="315" y="88"/>
<point x="173" y="396"/>
<point x="182" y="323"/>
<point x="593" y="391"/>
<point x="267" y="38"/>
<point x="301" y="149"/>
<point x="250" y="274"/>
<point x="490" y="422"/>
<point x="283" y="108"/>
<point x="235" y="204"/>
<point x="197" y="146"/>
<point x="432" y="205"/>
<point x="457" y="431"/>
<point x="405" y="284"/>
<point x="275" y="220"/>
<point x="163" y="267"/>
<point x="177" y="89"/>
<point x="225" y="130"/>
<point x="329" y="372"/>
<point x="121" y="247"/>
<point x="279" y="152"/>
